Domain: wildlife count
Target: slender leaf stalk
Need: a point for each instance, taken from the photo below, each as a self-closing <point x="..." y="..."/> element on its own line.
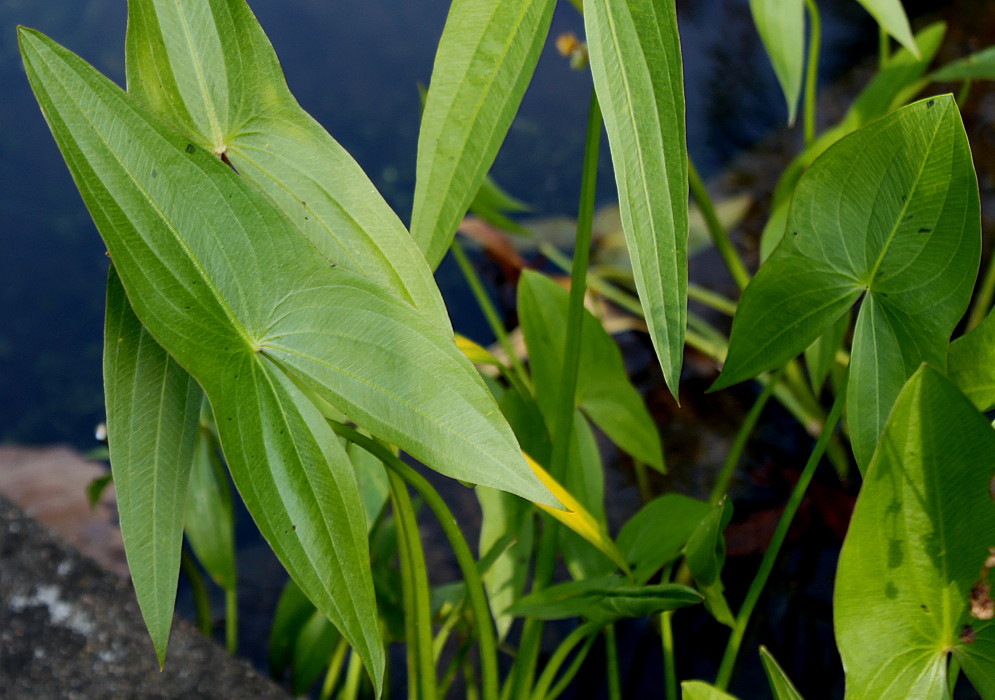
<point x="586" y="631"/>
<point x="231" y="619"/>
<point x="353" y="678"/>
<point x="483" y="626"/>
<point x="566" y="678"/>
<point x="770" y="555"/>
<point x="414" y="582"/>
<point x="562" y="427"/>
<point x="884" y="48"/>
<point x="201" y="602"/>
<point x="964" y="93"/>
<point x="720" y="238"/>
<point x="669" y="664"/>
<point x="487" y="308"/>
<point x="811" y="69"/>
<point x="742" y="435"/>
<point x="611" y="662"/>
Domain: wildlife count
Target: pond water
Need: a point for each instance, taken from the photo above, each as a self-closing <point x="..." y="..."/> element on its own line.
<point x="355" y="65"/>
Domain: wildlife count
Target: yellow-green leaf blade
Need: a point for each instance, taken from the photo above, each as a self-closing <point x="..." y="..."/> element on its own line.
<point x="484" y="62"/>
<point x="781" y="25"/>
<point x="891" y="16"/>
<point x="636" y="66"/>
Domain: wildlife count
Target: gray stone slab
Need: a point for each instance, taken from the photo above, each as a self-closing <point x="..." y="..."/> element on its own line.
<point x="71" y="630"/>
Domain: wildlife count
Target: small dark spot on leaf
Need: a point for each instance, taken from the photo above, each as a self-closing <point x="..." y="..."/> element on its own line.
<point x="925" y="230"/>
<point x="925" y="608"/>
<point x="891" y="590"/>
<point x="930" y="104"/>
<point x="794" y="233"/>
<point x="294" y="528"/>
<point x="303" y="203"/>
<point x="305" y="218"/>
<point x="190" y="148"/>
<point x="905" y="197"/>
<point x="967" y="634"/>
<point x="154" y="174"/>
<point x="229" y="419"/>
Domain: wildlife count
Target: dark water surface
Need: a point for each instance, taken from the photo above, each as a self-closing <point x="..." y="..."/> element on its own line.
<point x="354" y="64"/>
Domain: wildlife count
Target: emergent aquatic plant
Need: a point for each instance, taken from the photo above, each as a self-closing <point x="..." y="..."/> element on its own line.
<point x="265" y="304"/>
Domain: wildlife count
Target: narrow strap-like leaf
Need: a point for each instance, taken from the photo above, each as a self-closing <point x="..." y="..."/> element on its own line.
<point x="153" y="407"/>
<point x="891" y="16"/>
<point x="484" y="62"/>
<point x="636" y="64"/>
<point x="781" y="25"/>
<point x="207" y="68"/>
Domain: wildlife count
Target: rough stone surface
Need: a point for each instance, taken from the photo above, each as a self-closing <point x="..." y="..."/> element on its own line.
<point x="71" y="630"/>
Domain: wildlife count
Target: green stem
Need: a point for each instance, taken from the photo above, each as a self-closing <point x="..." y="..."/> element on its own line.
<point x="770" y="555"/>
<point x="611" y="661"/>
<point x="487" y="308"/>
<point x="353" y="678"/>
<point x="739" y="442"/>
<point x="414" y="584"/>
<point x="483" y="625"/>
<point x="567" y="676"/>
<point x="231" y="620"/>
<point x="983" y="297"/>
<point x="201" y="602"/>
<point x="334" y="669"/>
<point x="585" y="631"/>
<point x="562" y="423"/>
<point x="811" y="69"/>
<point x="669" y="665"/>
<point x="718" y="234"/>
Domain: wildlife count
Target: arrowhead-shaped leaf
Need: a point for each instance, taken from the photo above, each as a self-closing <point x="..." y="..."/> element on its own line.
<point x="971" y="364"/>
<point x="891" y="16"/>
<point x="207" y="69"/>
<point x="780" y="684"/>
<point x="484" y="62"/>
<point x="636" y="66"/>
<point x="891" y="210"/>
<point x="919" y="542"/>
<point x="977" y="66"/>
<point x="153" y="408"/>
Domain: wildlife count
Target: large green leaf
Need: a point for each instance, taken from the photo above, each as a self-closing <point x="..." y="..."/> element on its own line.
<point x="212" y="288"/>
<point x="153" y="408"/>
<point x="917" y="545"/>
<point x="604" y="392"/>
<point x="891" y="16"/>
<point x="891" y="210"/>
<point x="781" y="25"/>
<point x="890" y="88"/>
<point x="636" y="65"/>
<point x="971" y="364"/>
<point x="484" y="62"/>
<point x="207" y="68"/>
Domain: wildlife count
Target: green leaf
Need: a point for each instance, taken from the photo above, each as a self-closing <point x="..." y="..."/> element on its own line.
<point x="891" y="210"/>
<point x="95" y="489"/>
<point x="888" y="90"/>
<point x="636" y="66"/>
<point x="206" y="287"/>
<point x="208" y="69"/>
<point x="705" y="554"/>
<point x="152" y="412"/>
<point x="917" y="545"/>
<point x="780" y="684"/>
<point x="209" y="525"/>
<point x="313" y="648"/>
<point x="781" y="25"/>
<point x="656" y="534"/>
<point x="604" y="599"/>
<point x="293" y="610"/>
<point x="585" y="480"/>
<point x="504" y="515"/>
<point x="699" y="690"/>
<point x="971" y="364"/>
<point x="891" y="16"/>
<point x="604" y="392"/>
<point x="977" y="66"/>
<point x="484" y="62"/>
